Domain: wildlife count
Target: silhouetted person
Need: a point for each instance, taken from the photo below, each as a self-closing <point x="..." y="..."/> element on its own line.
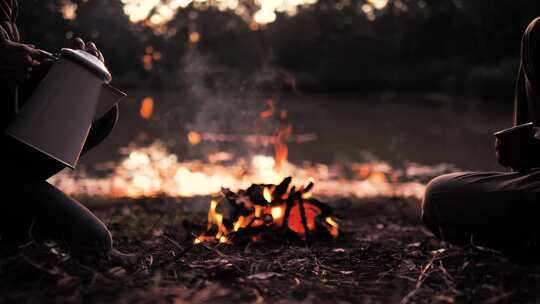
<point x="498" y="210"/>
<point x="31" y="208"/>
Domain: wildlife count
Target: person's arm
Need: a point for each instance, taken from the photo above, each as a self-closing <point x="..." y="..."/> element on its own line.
<point x="522" y="153"/>
<point x="529" y="52"/>
<point x="16" y="63"/>
<point x="521" y="107"/>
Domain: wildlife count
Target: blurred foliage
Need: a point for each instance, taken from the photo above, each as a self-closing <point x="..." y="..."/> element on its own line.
<point x="456" y="46"/>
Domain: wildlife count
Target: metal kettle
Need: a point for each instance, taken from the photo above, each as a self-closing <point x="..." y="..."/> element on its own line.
<point x="57" y="118"/>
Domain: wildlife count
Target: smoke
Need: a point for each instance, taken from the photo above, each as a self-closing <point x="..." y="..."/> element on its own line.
<point x="227" y="102"/>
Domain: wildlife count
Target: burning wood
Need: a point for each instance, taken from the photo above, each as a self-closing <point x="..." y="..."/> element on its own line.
<point x="263" y="210"/>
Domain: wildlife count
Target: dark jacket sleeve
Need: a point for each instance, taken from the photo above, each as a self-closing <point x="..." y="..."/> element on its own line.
<point x="527" y="98"/>
<point x="521" y="106"/>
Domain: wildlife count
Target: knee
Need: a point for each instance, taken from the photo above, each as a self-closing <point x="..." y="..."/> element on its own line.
<point x="97" y="240"/>
<point x="92" y="233"/>
<point x="102" y="238"/>
<point x="434" y="197"/>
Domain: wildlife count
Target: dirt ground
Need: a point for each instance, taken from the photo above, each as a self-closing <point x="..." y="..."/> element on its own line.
<point x="383" y="255"/>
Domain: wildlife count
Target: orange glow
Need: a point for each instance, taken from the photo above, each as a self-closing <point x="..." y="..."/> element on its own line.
<point x="194" y="138"/>
<point x="267" y="195"/>
<point x="281" y="151"/>
<point x="254" y="26"/>
<point x="159" y="12"/>
<point x="378" y="177"/>
<point x="154" y="170"/>
<point x="277" y="213"/>
<point x="216" y="218"/>
<point x="150" y="55"/>
<point x="334" y="226"/>
<point x="264" y="16"/>
<point x="268" y="112"/>
<point x="295" y="218"/>
<point x="194" y="37"/>
<point x="258" y="211"/>
<point x="364" y="171"/>
<point x="378" y="4"/>
<point x="240" y="223"/>
<point x="147" y="62"/>
<point x="147" y="108"/>
<point x="69" y="11"/>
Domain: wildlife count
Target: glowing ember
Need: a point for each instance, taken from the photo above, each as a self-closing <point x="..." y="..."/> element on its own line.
<point x="263" y="211"/>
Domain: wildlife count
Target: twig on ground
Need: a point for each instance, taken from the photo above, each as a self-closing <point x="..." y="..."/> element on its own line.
<point x="421" y="278"/>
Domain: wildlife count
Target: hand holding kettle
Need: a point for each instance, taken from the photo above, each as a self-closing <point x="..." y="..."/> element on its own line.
<point x="73" y="96"/>
<point x="89" y="47"/>
<point x="17" y="60"/>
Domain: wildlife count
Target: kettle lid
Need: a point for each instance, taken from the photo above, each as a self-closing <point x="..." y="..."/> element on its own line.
<point x="87" y="60"/>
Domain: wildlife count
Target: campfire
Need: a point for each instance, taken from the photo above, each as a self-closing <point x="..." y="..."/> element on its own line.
<point x="265" y="211"/>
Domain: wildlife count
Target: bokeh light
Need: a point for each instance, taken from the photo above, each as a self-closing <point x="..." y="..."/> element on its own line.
<point x="159" y="12"/>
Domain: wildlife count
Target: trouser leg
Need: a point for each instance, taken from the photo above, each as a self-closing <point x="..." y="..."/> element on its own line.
<point x="495" y="210"/>
<point x="41" y="211"/>
<point x="33" y="207"/>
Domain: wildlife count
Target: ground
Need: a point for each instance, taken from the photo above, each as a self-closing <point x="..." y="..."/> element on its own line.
<point x="384" y="255"/>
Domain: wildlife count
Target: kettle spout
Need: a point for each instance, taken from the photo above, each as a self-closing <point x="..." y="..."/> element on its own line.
<point x="108" y="97"/>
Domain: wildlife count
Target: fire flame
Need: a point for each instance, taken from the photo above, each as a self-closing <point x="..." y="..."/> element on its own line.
<point x="281" y="151"/>
<point x="277" y="212"/>
<point x="267" y="195"/>
<point x="267" y="208"/>
<point x="334" y="227"/>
